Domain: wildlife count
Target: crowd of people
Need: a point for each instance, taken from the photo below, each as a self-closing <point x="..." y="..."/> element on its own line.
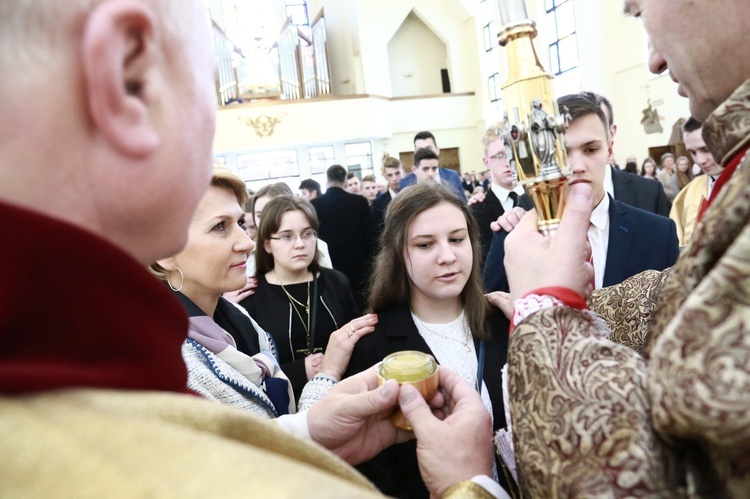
<point x="184" y="338"/>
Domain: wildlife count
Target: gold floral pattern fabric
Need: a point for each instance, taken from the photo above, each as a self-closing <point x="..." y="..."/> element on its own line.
<point x="699" y="344"/>
<point x="627" y="307"/>
<point x="579" y="408"/>
<point x="661" y="408"/>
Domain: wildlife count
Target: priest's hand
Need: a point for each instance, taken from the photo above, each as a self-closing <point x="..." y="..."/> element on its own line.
<point x="352" y="419"/>
<point x="455" y="444"/>
<point x="534" y="261"/>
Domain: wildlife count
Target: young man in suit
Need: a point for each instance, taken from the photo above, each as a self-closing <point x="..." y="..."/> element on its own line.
<point x="624" y="240"/>
<point x="425" y="140"/>
<point x="501" y="196"/>
<point x="623" y="186"/>
<point x="393" y="173"/>
<point x="347" y="226"/>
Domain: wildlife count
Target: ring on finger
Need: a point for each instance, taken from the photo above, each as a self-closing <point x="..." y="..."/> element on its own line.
<point x="351" y="331"/>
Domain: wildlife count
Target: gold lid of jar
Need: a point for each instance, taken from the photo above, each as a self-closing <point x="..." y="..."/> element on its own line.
<point x="413" y="368"/>
<point x="408" y="366"/>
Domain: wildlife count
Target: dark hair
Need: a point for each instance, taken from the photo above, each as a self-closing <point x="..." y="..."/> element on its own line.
<point x="691" y="125"/>
<point x="270" y="223"/>
<point x="424" y="154"/>
<point x="424" y="136"/>
<point x="643" y="165"/>
<point x="601" y="101"/>
<point x="336" y="173"/>
<point x="351" y="175"/>
<point x="310" y="185"/>
<point x="270" y="190"/>
<point x="390" y="285"/>
<point x="631" y="167"/>
<point x="583" y="104"/>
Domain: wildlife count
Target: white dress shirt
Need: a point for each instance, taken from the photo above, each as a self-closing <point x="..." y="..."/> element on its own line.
<point x="609" y="186"/>
<point x="598" y="234"/>
<point x="503" y="195"/>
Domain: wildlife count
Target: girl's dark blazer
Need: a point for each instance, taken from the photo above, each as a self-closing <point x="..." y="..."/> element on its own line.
<point x="395" y="470"/>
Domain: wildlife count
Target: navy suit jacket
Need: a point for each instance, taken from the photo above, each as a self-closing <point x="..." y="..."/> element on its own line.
<point x="638" y="241"/>
<point x="641" y="192"/>
<point x="451" y="177"/>
<point x="378" y="208"/>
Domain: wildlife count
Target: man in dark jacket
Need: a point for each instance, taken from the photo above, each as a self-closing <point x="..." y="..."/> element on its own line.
<point x="626" y="187"/>
<point x="624" y="240"/>
<point x="347" y="226"/>
<point x="500" y="196"/>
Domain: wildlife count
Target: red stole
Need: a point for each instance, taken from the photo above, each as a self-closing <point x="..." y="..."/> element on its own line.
<point x="723" y="179"/>
<point x="75" y="311"/>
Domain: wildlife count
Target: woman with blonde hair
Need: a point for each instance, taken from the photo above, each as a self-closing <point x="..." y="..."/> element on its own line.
<point x="229" y="357"/>
<point x="426" y="289"/>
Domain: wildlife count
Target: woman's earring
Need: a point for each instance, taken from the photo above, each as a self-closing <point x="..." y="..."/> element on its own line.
<point x="182" y="280"/>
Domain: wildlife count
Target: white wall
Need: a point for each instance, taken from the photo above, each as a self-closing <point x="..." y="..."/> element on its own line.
<point x="389" y="124"/>
<point x="630" y="85"/>
<point x="612" y="61"/>
<point x="377" y="22"/>
<point x="416" y="57"/>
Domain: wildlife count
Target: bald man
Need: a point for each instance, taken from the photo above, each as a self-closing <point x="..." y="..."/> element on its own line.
<point x="106" y="128"/>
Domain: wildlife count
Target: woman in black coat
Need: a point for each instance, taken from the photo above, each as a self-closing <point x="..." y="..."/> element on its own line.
<point x="427" y="292"/>
<point x="297" y="302"/>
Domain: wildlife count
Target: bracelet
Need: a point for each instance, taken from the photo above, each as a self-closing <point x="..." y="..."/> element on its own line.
<point x="466" y="490"/>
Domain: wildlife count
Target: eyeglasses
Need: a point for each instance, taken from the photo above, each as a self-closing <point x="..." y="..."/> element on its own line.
<point x="500" y="155"/>
<point x="289" y="237"/>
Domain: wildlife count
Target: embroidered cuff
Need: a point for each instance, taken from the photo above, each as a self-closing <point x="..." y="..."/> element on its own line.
<point x="542" y="298"/>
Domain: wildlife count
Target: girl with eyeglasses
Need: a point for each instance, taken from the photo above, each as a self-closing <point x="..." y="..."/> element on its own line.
<point x="301" y="304"/>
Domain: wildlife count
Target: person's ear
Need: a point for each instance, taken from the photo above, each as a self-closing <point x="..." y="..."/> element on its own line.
<point x="120" y="49"/>
<point x="167" y="264"/>
<point x="414" y="169"/>
<point x="267" y="247"/>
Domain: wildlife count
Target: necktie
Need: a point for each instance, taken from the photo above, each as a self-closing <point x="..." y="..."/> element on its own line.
<point x="512" y="195"/>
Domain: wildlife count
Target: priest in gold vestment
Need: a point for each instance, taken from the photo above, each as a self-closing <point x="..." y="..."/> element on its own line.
<point x="649" y="396"/>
